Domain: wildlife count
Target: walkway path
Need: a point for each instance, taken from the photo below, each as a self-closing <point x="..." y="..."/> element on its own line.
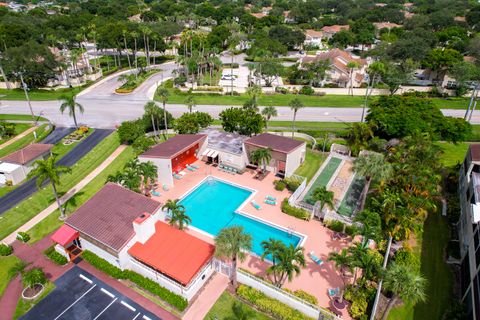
<point x="207" y="297"/>
<point x="18" y="137"/>
<point x="42" y="215"/>
<point x="9" y="299"/>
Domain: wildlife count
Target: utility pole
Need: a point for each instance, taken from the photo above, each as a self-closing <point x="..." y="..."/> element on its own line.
<point x="24" y="85"/>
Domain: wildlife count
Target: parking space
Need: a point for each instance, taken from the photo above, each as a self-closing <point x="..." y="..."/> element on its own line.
<point x="79" y="295"/>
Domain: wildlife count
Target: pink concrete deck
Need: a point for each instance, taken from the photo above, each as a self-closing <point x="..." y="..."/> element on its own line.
<point x="313" y="279"/>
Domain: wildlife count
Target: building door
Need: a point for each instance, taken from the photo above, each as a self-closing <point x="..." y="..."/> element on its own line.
<point x="281" y="165"/>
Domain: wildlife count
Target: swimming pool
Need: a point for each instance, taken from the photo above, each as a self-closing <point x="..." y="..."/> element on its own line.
<point x="212" y="206"/>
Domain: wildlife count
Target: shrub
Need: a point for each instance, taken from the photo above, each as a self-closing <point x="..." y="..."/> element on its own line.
<point x="281" y="90"/>
<point x="336" y="225"/>
<point x="5" y="250"/>
<point x="55" y="256"/>
<point x="293" y="211"/>
<point x="350" y="230"/>
<point x="123" y="91"/>
<point x="358" y="297"/>
<point x="173" y="299"/>
<point x="271" y="306"/>
<point x="307" y="90"/>
<point x="405" y="256"/>
<point x="23" y="236"/>
<point x="180" y="80"/>
<point x="129" y="131"/>
<point x="303" y="295"/>
<point x="279" y="185"/>
<point x="292" y="184"/>
<point x="34" y="276"/>
<point x="208" y="88"/>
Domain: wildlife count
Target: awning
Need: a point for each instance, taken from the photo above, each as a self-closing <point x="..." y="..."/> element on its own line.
<point x="64" y="235"/>
<point x="214" y="154"/>
<point x="206" y="152"/>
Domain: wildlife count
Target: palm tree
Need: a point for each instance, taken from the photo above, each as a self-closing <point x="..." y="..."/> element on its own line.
<point x="163" y="93"/>
<point x="405" y="284"/>
<point x="371" y="226"/>
<point x="263" y="156"/>
<point x="352" y="65"/>
<point x="254" y="92"/>
<point x="124" y="34"/>
<point x="149" y="173"/>
<point x="358" y="135"/>
<point x="374" y="71"/>
<point x="190" y="102"/>
<point x="68" y="102"/>
<point x="290" y="261"/>
<point x="342" y="260"/>
<point x="295" y="105"/>
<point x="171" y="205"/>
<point x="45" y="170"/>
<point x="232" y="243"/>
<point x="271" y="248"/>
<point x="325" y="197"/>
<point x="151" y="109"/>
<point x="180" y="218"/>
<point x="268" y="113"/>
<point x="241" y="312"/>
<point x="372" y="166"/>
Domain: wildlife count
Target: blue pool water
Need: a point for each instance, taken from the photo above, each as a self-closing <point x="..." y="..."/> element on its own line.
<point x="211" y="206"/>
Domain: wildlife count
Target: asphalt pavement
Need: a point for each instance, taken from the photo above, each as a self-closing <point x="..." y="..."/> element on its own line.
<point x="29" y="187"/>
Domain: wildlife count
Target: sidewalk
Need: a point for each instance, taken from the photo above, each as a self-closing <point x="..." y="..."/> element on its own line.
<point x="18" y="137"/>
<point x="42" y="215"/>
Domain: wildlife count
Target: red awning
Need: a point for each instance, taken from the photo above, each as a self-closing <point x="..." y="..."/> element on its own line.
<point x="64" y="235"/>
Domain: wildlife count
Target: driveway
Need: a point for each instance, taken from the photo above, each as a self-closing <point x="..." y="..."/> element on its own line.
<point x="79" y="295"/>
<point x="29" y="187"/>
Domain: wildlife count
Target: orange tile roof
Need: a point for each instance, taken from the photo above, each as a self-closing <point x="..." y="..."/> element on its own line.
<point x="258" y="15"/>
<point x="313" y="33"/>
<point x="174" y="253"/>
<point x="335" y="28"/>
<point x="386" y="25"/>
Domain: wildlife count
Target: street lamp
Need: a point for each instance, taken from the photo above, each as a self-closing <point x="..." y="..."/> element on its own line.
<point x="25" y="89"/>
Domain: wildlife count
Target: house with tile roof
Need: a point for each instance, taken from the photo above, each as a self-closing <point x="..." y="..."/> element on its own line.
<point x="129" y="231"/>
<point x="339" y="72"/>
<point x="313" y="38"/>
<point x="329" y="31"/>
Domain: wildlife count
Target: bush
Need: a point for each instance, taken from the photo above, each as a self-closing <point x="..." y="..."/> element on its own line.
<point x="292" y="184"/>
<point x="307" y="90"/>
<point x="304" y="296"/>
<point x="358" y="297"/>
<point x="55" y="256"/>
<point x="129" y="131"/>
<point x="335" y="225"/>
<point x="406" y="257"/>
<point x="293" y="211"/>
<point x="180" y="80"/>
<point x="279" y="185"/>
<point x="271" y="306"/>
<point x="208" y="88"/>
<point x="34" y="276"/>
<point x="281" y="90"/>
<point x="23" y="236"/>
<point x="173" y="299"/>
<point x="351" y="230"/>
<point x="5" y="250"/>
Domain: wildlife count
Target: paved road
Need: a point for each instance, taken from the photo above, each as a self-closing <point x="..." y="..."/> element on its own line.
<point x="105" y="109"/>
<point x="57" y="134"/>
<point x="29" y="187"/>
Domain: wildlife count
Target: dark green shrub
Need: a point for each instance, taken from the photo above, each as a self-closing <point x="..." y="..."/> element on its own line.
<point x="180" y="80"/>
<point x="281" y="90"/>
<point x="303" y="295"/>
<point x="173" y="299"/>
<point x="292" y="184"/>
<point x="358" y="298"/>
<point x="351" y="230"/>
<point x="279" y="185"/>
<point x="405" y="256"/>
<point x="293" y="211"/>
<point x="307" y="90"/>
<point x="23" y="236"/>
<point x="5" y="250"/>
<point x="55" y="256"/>
<point x="129" y="131"/>
<point x="335" y="225"/>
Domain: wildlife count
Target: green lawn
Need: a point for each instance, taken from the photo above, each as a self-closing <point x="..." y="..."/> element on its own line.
<point x="18" y="128"/>
<point x="23" y="306"/>
<point x="222" y="309"/>
<point x="51" y="223"/>
<point x="25" y="210"/>
<point x="6" y="263"/>
<point x="452" y="153"/>
<point x="313" y="161"/>
<point x="22" y="117"/>
<point x="42" y="132"/>
<point x="326" y="174"/>
<point x="37" y="94"/>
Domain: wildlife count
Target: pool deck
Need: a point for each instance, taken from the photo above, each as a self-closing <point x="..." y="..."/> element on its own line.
<point x="313" y="279"/>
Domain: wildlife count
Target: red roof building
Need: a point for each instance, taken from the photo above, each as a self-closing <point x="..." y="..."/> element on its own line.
<point x="28" y="154"/>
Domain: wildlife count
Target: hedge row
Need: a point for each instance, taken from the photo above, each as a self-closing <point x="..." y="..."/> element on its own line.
<point x="293" y="211"/>
<point x="55" y="256"/>
<point x="173" y="299"/>
<point x="268" y="305"/>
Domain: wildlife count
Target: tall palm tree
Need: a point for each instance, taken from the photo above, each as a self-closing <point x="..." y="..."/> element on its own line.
<point x="272" y="248"/>
<point x="69" y="103"/>
<point x="149" y="174"/>
<point x="232" y="243"/>
<point x="358" y="136"/>
<point x="325" y="197"/>
<point x="371" y="226"/>
<point x="342" y="261"/>
<point x="374" y="71"/>
<point x="151" y="109"/>
<point x="351" y="66"/>
<point x="372" y="166"/>
<point x="190" y="102"/>
<point x="290" y="261"/>
<point x="180" y="218"/>
<point x="268" y="113"/>
<point x="261" y="156"/>
<point x="134" y="35"/>
<point x="405" y="284"/>
<point x="46" y="170"/>
<point x="295" y="105"/>
<point x="163" y="94"/>
<point x="254" y="92"/>
<point x="124" y="33"/>
<point x="171" y="205"/>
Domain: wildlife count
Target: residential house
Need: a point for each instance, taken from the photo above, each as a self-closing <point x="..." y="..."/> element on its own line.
<point x="339" y="73"/>
<point x="15" y="167"/>
<point x="329" y="31"/>
<point x="469" y="231"/>
<point x="313" y="38"/>
<point x="129" y="231"/>
<point x="386" y="25"/>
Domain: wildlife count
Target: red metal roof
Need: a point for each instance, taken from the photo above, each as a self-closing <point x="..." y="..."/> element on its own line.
<point x="27" y="154"/>
<point x="174" y="253"/>
<point x="64" y="235"/>
<point x="173" y="146"/>
<point x="274" y="142"/>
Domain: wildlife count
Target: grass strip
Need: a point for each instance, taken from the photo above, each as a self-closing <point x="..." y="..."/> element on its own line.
<point x="42" y="131"/>
<point x="23" y="306"/>
<point x="6" y="263"/>
<point x="21" y="117"/>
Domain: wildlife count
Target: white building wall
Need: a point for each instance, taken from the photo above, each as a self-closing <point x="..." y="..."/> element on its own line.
<point x="62" y="251"/>
<point x="295" y="159"/>
<point x="16" y="176"/>
<point x="236" y="160"/>
<point x="164" y="169"/>
<point x="86" y="245"/>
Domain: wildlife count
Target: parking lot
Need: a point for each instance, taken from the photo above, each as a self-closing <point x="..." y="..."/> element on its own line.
<point x="79" y="295"/>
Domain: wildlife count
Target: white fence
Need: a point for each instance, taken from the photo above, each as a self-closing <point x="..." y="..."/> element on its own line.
<point x="294" y="197"/>
<point x="284" y="297"/>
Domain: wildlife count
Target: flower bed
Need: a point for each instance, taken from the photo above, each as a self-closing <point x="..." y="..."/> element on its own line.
<point x="133" y="81"/>
<point x="76" y="136"/>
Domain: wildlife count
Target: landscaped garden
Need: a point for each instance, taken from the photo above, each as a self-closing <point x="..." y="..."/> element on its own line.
<point x="131" y="81"/>
<point x="9" y="130"/>
<point x="42" y="132"/>
<point x="230" y="307"/>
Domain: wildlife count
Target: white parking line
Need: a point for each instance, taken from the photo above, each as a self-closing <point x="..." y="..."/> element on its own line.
<point x="75" y="302"/>
<point x="85" y="278"/>
<point x="146" y="318"/>
<point x="108" y="293"/>
<point x="105" y="309"/>
<point x="136" y="316"/>
<point x="128" y="306"/>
